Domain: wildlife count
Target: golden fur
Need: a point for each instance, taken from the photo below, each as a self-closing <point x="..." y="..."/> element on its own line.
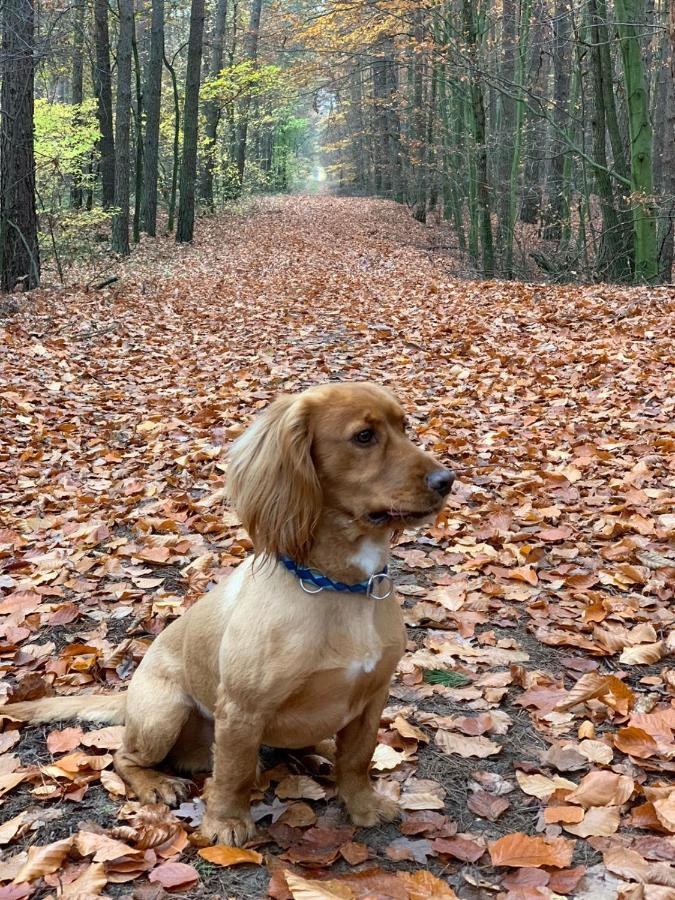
<point x="325" y="477"/>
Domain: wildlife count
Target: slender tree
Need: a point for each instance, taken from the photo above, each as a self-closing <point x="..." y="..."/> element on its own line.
<point x="76" y="94"/>
<point x="630" y="14"/>
<point x="251" y="55"/>
<point x="19" y="249"/>
<point x="152" y="98"/>
<point x="120" y="222"/>
<point x="103" y="88"/>
<point x="212" y="108"/>
<point x="188" y="168"/>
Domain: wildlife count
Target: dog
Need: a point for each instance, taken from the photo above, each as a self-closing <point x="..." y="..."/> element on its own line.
<point x="301" y="641"/>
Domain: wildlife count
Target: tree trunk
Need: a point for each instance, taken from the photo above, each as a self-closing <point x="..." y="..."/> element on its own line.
<point x="76" y="94"/>
<point x="212" y="107"/>
<point x="506" y="114"/>
<point x="418" y="154"/>
<point x="188" y="168"/>
<point x="477" y="109"/>
<point x="103" y="89"/>
<point x="521" y="69"/>
<point x="556" y="209"/>
<point x="535" y="130"/>
<point x="630" y="14"/>
<point x="667" y="231"/>
<point x="138" y="172"/>
<point x="176" y="142"/>
<point x="120" y="222"/>
<point x="152" y="101"/>
<point x="611" y="262"/>
<point x="250" y="54"/>
<point x="19" y="249"/>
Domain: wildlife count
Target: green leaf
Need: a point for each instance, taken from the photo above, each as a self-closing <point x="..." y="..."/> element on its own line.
<point x="447" y="679"/>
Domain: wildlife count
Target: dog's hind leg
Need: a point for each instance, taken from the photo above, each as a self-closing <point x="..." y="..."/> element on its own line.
<point x="157" y="710"/>
<point x="193" y="751"/>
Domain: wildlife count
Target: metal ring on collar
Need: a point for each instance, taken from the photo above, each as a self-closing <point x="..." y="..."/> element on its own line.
<point x="303" y="585"/>
<point x="383" y="580"/>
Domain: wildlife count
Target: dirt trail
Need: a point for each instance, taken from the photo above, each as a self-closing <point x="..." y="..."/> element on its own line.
<point x="554" y="404"/>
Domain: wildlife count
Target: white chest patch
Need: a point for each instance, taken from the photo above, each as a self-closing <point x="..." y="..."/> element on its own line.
<point x="369" y="558"/>
<point x="362" y="666"/>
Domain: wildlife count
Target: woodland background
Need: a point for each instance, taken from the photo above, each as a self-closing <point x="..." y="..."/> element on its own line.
<point x="542" y="131"/>
<point x="460" y="181"/>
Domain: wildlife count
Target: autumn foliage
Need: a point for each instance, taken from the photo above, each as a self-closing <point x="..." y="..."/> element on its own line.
<point x="545" y="767"/>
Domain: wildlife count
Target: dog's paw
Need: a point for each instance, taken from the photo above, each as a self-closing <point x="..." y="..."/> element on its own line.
<point x="233" y="831"/>
<point x="167" y="789"/>
<point x="371" y="808"/>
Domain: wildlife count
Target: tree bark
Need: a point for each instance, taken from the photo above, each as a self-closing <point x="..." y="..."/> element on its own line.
<point x="211" y="107"/>
<point x="667" y="231"/>
<point x="629" y="14"/>
<point x="418" y="155"/>
<point x="176" y="142"/>
<point x="152" y="98"/>
<point x="188" y="169"/>
<point x="103" y="89"/>
<point x="556" y="209"/>
<point x="477" y="113"/>
<point x="19" y="249"/>
<point x="138" y="115"/>
<point x="611" y="262"/>
<point x="120" y="222"/>
<point x="76" y="93"/>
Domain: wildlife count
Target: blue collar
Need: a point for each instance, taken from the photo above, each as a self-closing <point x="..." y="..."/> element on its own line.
<point x="381" y="580"/>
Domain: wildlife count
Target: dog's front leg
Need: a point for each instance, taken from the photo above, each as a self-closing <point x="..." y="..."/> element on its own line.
<point x="355" y="745"/>
<point x="237" y="738"/>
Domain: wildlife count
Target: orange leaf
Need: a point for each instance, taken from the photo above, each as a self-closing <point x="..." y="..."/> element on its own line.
<point x="635" y="742"/>
<point x="222" y="855"/>
<point x="44" y="860"/>
<point x="422" y="885"/>
<point x="522" y="851"/>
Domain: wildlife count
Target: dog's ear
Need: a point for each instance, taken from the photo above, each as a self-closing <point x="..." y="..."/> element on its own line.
<point x="272" y="480"/>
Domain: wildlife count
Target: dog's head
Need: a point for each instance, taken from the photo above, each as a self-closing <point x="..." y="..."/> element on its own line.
<point x="340" y="447"/>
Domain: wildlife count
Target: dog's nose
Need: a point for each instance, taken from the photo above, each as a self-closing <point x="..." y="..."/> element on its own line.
<point x="440" y="480"/>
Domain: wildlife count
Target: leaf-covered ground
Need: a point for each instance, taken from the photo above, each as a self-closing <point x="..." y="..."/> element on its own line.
<point x="548" y="583"/>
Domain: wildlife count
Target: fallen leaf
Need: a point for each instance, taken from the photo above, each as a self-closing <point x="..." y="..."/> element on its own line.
<point x="466" y="746"/>
<point x="174" y="876"/>
<point x="222" y="855"/>
<point x="518" y="850"/>
<point x="598" y="820"/>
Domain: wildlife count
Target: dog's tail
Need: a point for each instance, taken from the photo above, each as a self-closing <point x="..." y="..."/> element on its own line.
<point x="108" y="709"/>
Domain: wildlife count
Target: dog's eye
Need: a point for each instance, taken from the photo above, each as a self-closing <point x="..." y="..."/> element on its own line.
<point x="365" y="437"/>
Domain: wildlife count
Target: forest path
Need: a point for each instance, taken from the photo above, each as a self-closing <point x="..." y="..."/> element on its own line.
<point x="554" y="558"/>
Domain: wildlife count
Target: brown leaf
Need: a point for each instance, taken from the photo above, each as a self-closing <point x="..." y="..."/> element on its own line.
<point x="299" y="786"/>
<point x="459" y="848"/>
<point x="175" y="876"/>
<point x="598" y="820"/>
<point x="44" y="860"/>
<point x="304" y="889"/>
<point x="665" y="811"/>
<point x="65" y="740"/>
<point x="635" y="742"/>
<point x="518" y="850"/>
<point x="89" y="884"/>
<point x="487" y="806"/>
<point x="423" y="885"/>
<point x="466" y="746"/>
<point x="602" y="789"/>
